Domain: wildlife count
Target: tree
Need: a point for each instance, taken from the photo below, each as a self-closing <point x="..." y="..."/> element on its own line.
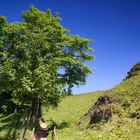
<point x="39" y="60"/>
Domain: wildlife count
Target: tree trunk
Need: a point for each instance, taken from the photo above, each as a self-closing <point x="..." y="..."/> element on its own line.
<point x="23" y="132"/>
<point x="24" y="126"/>
<point x="40" y="130"/>
<point x="36" y="109"/>
<point x="15" y="121"/>
<point x="35" y="117"/>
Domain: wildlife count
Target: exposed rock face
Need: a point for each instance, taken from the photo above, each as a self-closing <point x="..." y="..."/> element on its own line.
<point x="100" y="114"/>
<point x="133" y="71"/>
<point x="100" y="111"/>
<point x="104" y="100"/>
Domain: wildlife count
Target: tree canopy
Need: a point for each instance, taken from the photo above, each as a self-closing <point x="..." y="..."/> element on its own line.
<point x="39" y="60"/>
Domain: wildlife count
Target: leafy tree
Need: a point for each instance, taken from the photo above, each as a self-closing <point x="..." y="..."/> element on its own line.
<point x="39" y="61"/>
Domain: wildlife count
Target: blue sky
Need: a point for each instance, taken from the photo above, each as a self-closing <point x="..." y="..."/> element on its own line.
<point x="113" y="24"/>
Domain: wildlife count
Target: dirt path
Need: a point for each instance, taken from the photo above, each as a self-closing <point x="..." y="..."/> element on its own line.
<point x="41" y="132"/>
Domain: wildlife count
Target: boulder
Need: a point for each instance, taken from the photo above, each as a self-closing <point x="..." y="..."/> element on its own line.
<point x="99" y="114"/>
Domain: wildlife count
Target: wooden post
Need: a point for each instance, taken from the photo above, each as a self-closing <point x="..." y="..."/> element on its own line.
<point x="54" y="131"/>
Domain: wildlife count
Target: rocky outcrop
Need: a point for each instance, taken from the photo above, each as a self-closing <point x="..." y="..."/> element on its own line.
<point x="99" y="114"/>
<point x="102" y="100"/>
<point x="100" y="111"/>
<point x="133" y="71"/>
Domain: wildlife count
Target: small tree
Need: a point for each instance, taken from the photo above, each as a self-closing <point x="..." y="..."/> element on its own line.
<point x="39" y="59"/>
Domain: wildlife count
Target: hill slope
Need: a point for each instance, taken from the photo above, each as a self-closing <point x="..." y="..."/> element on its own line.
<point x="77" y="114"/>
<point x="107" y="115"/>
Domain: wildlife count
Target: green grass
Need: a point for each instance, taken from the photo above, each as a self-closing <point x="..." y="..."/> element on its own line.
<point x="124" y="124"/>
<point x="121" y="127"/>
<point x="68" y="113"/>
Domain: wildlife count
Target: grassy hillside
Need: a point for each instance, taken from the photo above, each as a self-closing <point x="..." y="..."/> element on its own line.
<point x="73" y="116"/>
<point x="123" y="124"/>
<point x="68" y="113"/>
<point x="64" y="117"/>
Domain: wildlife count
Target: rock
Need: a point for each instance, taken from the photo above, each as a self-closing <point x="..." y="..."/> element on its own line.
<point x="133" y="71"/>
<point x="104" y="100"/>
<point x="100" y="111"/>
<point x="99" y="114"/>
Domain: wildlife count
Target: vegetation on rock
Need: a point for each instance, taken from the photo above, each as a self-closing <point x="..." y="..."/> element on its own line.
<point x="134" y="71"/>
<point x="120" y="105"/>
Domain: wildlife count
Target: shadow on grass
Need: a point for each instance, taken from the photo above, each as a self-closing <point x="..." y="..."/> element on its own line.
<point x="63" y="125"/>
<point x="7" y="138"/>
<point x="54" y="125"/>
<point x="8" y="126"/>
